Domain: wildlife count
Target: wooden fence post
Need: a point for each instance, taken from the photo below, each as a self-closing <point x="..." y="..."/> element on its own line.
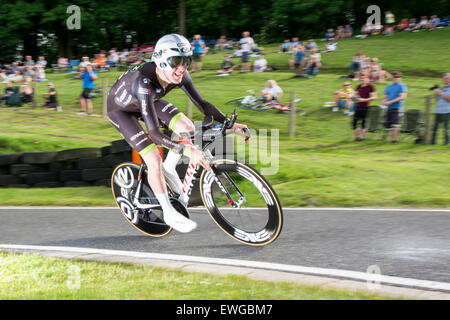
<point x="292" y="116"/>
<point x="189" y="108"/>
<point x="105" y="97"/>
<point x="426" y="120"/>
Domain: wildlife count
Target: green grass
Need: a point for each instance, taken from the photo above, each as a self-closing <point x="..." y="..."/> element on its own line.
<point x="322" y="166"/>
<point x="32" y="277"/>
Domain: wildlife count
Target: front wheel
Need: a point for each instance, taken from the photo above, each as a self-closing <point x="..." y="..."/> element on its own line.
<point x="241" y="202"/>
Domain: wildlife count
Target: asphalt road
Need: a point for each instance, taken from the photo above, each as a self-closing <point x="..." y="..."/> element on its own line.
<point x="410" y="244"/>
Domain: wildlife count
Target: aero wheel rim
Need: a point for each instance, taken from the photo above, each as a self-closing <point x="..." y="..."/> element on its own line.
<point x="250" y="225"/>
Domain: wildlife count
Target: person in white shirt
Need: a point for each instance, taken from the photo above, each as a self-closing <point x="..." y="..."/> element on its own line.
<point x="272" y="91"/>
<point x="84" y="62"/>
<point x="260" y="64"/>
<point x="246" y="43"/>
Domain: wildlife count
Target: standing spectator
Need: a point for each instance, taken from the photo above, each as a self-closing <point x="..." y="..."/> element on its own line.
<point x="226" y="67"/>
<point x="365" y="94"/>
<point x="390" y="23"/>
<point x="260" y="64"/>
<point x="394" y="98"/>
<point x="299" y="58"/>
<point x="220" y="44"/>
<point x="442" y="112"/>
<point x="246" y="43"/>
<point x="198" y="48"/>
<point x="41" y="64"/>
<point x="88" y="76"/>
<point x="52" y="101"/>
<point x="272" y="91"/>
<point x="29" y="61"/>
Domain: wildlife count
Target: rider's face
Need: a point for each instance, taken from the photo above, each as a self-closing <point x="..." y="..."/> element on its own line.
<point x="176" y="74"/>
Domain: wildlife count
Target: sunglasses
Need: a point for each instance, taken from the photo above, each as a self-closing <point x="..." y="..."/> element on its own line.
<point x="178" y="61"/>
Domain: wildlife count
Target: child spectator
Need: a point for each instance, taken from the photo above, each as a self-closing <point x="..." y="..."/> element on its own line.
<point x="433" y="22"/>
<point x="343" y="98"/>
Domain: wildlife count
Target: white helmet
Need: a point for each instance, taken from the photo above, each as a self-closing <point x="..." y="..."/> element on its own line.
<point x="171" y="51"/>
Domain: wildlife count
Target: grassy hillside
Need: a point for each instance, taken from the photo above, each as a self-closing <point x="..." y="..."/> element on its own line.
<point x="322" y="166"/>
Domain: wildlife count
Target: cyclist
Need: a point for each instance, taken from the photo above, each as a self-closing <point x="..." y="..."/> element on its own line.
<point x="137" y="95"/>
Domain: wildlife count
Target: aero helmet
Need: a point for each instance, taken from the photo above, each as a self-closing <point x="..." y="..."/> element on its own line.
<point x="171" y="51"/>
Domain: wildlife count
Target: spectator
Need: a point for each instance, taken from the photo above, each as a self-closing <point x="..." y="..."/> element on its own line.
<point x="412" y="25"/>
<point x="366" y="29"/>
<point x="113" y="58"/>
<point x="199" y="47"/>
<point x="285" y="46"/>
<point x="376" y="71"/>
<point x="310" y="45"/>
<point x="296" y="43"/>
<point x="26" y="92"/>
<point x="63" y="62"/>
<point x="227" y="67"/>
<point x="433" y="22"/>
<point x="330" y="46"/>
<point x="29" y="71"/>
<point x="343" y="98"/>
<point x="41" y="64"/>
<point x="88" y="75"/>
<point x="15" y="77"/>
<point x="403" y="25"/>
<point x="272" y="91"/>
<point x="246" y="43"/>
<point x="14" y="67"/>
<point x="394" y="98"/>
<point x="442" y="111"/>
<point x="220" y="44"/>
<point x="52" y="101"/>
<point x="84" y="62"/>
<point x="365" y="94"/>
<point x="260" y="64"/>
<point x="355" y="67"/>
<point x="340" y="33"/>
<point x="9" y="90"/>
<point x="314" y="63"/>
<point x="299" y="58"/>
<point x="348" y="31"/>
<point x="100" y="60"/>
<point x="29" y="61"/>
<point x="377" y="29"/>
<point x="330" y="35"/>
<point x="423" y="24"/>
<point x="238" y="52"/>
<point x="389" y="18"/>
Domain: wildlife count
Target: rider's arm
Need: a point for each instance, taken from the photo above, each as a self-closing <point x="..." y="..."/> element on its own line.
<point x="204" y="106"/>
<point x="144" y="94"/>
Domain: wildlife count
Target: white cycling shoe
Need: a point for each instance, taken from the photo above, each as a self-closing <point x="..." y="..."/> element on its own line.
<point x="179" y="222"/>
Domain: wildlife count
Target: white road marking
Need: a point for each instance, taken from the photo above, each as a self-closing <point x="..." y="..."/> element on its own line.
<point x="355" y="275"/>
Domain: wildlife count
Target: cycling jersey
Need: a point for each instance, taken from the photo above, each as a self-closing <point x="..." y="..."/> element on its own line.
<point x="137" y="95"/>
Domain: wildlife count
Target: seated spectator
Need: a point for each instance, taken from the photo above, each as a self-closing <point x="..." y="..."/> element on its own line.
<point x="348" y="31"/>
<point x="299" y="59"/>
<point x="403" y="24"/>
<point x="113" y="58"/>
<point x="285" y="46"/>
<point x="123" y="56"/>
<point x="9" y="90"/>
<point x="220" y="43"/>
<point x="26" y="92"/>
<point x="433" y="22"/>
<point x="355" y="67"/>
<point x="272" y="91"/>
<point x="100" y="60"/>
<point x="14" y="67"/>
<point x="412" y="25"/>
<point x="330" y="35"/>
<point x="314" y="63"/>
<point x="227" y="67"/>
<point x="63" y="62"/>
<point x="296" y="43"/>
<point x="330" y="46"/>
<point x="340" y="33"/>
<point x="366" y="29"/>
<point x="423" y="24"/>
<point x="84" y="62"/>
<point x="52" y="102"/>
<point x="365" y="66"/>
<point x="377" y="29"/>
<point x="260" y="64"/>
<point x="343" y="98"/>
<point x="15" y="77"/>
<point x="257" y="48"/>
<point x="29" y="71"/>
<point x="376" y="72"/>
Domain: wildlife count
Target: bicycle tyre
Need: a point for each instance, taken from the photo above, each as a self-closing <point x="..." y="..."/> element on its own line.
<point x="122" y="196"/>
<point x="269" y="217"/>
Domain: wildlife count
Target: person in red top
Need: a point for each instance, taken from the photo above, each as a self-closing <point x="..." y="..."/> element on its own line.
<point x="365" y="93"/>
<point x="403" y="24"/>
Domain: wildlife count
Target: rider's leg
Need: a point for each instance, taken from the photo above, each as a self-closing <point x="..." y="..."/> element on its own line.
<point x="156" y="180"/>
